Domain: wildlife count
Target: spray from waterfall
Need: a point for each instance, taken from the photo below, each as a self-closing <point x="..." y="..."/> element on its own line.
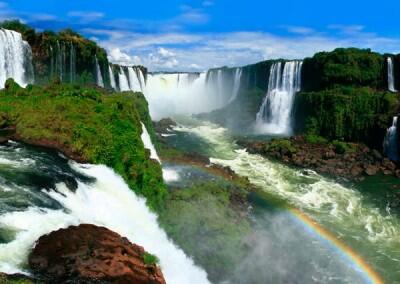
<point x="134" y="80"/>
<point x="15" y="58"/>
<point x="391" y="82"/>
<point x="99" y="77"/>
<point x="274" y="115"/>
<point x="391" y="142"/>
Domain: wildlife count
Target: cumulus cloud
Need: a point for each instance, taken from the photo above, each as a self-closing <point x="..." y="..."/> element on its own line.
<point x="117" y="56"/>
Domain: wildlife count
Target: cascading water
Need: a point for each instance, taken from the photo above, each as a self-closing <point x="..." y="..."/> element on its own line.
<point x="112" y="78"/>
<point x="123" y="81"/>
<point x="275" y="111"/>
<point x="180" y="93"/>
<point x="15" y="58"/>
<point x="236" y="84"/>
<point x="35" y="200"/>
<point x="99" y="77"/>
<point x="148" y="144"/>
<point x="391" y="81"/>
<point x="72" y="63"/>
<point x="134" y="80"/>
<point x="391" y="143"/>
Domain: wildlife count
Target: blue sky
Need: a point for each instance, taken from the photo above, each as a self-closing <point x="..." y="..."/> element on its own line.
<point x="199" y="34"/>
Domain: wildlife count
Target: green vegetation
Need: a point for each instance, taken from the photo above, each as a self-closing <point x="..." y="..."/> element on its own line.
<point x="344" y="67"/>
<point x="150" y="259"/>
<point x="283" y="146"/>
<point x="346" y="114"/>
<point x="343" y="147"/>
<point x="207" y="221"/>
<point x="88" y="124"/>
<point x="315" y="139"/>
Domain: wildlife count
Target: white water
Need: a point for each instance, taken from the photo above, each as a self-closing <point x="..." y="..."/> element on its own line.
<point x="345" y="211"/>
<point x="15" y="58"/>
<point x="148" y="144"/>
<point x="99" y="77"/>
<point x="391" y="75"/>
<point x="274" y="115"/>
<point x="236" y="84"/>
<point x="123" y="81"/>
<point x="112" y="78"/>
<point x="92" y="203"/>
<point x="391" y="143"/>
<point x="134" y="80"/>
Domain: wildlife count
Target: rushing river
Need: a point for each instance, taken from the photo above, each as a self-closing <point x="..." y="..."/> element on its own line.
<point x="355" y="234"/>
<point x="41" y="191"/>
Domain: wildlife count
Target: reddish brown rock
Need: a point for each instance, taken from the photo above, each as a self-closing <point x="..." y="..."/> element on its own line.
<point x="90" y="253"/>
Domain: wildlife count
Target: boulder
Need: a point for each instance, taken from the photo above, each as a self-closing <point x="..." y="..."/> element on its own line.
<point x="89" y="254"/>
<point x="371" y="170"/>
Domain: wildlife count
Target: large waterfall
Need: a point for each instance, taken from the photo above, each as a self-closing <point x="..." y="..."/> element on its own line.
<point x="99" y="77"/>
<point x="391" y="143"/>
<point x="391" y="81"/>
<point x="15" y="58"/>
<point x="274" y="115"/>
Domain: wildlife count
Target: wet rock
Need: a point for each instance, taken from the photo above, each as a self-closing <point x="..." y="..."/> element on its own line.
<point x="164" y="125"/>
<point x="356" y="170"/>
<point x="388" y="164"/>
<point x="378" y="156"/>
<point x="86" y="253"/>
<point x="329" y="155"/>
<point x="371" y="170"/>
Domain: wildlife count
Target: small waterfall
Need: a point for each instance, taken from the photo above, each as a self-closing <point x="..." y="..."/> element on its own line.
<point x="275" y="111"/>
<point x="391" y="142"/>
<point x="236" y="84"/>
<point x="15" y="58"/>
<point x="112" y="78"/>
<point x="72" y="63"/>
<point x="123" y="81"/>
<point x="99" y="77"/>
<point x="391" y="75"/>
<point x="148" y="144"/>
<point x="134" y="81"/>
<point x="141" y="79"/>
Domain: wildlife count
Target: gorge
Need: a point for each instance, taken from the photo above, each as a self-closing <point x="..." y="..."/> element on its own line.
<point x="188" y="191"/>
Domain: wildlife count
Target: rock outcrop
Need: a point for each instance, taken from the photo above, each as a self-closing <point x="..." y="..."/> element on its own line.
<point x="91" y="254"/>
<point x="325" y="158"/>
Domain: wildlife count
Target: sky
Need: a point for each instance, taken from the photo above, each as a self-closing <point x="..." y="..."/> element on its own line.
<point x="194" y="35"/>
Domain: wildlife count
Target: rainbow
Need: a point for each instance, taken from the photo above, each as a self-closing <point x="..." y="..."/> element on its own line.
<point x="360" y="264"/>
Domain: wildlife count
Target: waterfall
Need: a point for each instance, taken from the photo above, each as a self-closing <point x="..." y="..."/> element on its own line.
<point x="72" y="63"/>
<point x="15" y="58"/>
<point x="275" y="111"/>
<point x="123" y="81"/>
<point x="148" y="144"/>
<point x="134" y="81"/>
<point x="180" y="93"/>
<point x="236" y="84"/>
<point x="112" y="78"/>
<point x="391" y="75"/>
<point x="101" y="198"/>
<point x="141" y="79"/>
<point x="391" y="142"/>
<point x="99" y="77"/>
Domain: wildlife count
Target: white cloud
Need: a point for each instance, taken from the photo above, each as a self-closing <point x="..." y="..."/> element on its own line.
<point x="299" y="30"/>
<point x="197" y="52"/>
<point x="86" y="16"/>
<point x="117" y="56"/>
